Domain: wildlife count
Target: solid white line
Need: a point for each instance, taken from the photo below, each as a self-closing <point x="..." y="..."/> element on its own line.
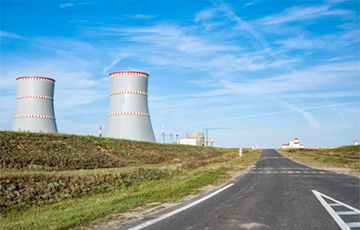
<point x="334" y="205"/>
<point x="353" y="225"/>
<point x="150" y="222"/>
<point x="347" y="213"/>
<point x="333" y="214"/>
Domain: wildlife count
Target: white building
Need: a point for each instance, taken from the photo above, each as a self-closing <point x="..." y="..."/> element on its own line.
<point x="197" y="139"/>
<point x="293" y="145"/>
<point x="189" y="142"/>
<point x="356" y="142"/>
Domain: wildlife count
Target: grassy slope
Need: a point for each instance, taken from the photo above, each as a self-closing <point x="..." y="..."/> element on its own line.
<point x="67" y="152"/>
<point x="62" y="181"/>
<point x="342" y="157"/>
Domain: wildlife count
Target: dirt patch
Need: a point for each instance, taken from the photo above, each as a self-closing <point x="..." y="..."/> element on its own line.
<point x="347" y="171"/>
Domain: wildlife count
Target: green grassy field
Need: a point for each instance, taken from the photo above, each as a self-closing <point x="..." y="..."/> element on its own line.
<point x="58" y="181"/>
<point x="341" y="157"/>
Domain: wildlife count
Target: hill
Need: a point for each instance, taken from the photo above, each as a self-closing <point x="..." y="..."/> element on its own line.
<point x="67" y="152"/>
<point x="64" y="176"/>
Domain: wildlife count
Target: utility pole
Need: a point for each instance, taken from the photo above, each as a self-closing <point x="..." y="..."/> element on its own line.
<point x="163" y="134"/>
<point x="206" y="133"/>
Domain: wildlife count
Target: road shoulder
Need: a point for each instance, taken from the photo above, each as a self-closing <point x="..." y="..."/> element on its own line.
<point x="122" y="219"/>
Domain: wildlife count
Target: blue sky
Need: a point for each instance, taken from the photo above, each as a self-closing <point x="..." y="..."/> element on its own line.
<point x="269" y="70"/>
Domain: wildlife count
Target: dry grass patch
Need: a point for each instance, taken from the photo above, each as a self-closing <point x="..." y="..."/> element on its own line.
<point x="341" y="157"/>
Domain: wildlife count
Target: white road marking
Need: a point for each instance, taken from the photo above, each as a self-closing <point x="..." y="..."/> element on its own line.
<point x="335" y="215"/>
<point x="354" y="225"/>
<point x="150" y="222"/>
<point x="334" y="205"/>
<point x="347" y="213"/>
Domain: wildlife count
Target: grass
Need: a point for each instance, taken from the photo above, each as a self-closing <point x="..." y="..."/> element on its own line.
<point x="76" y="212"/>
<point x="46" y="183"/>
<point x="341" y="157"/>
<point x="57" y="152"/>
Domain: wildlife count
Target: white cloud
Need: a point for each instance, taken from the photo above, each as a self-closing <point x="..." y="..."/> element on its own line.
<point x="208" y="14"/>
<point x="311" y="120"/>
<point x="250" y="3"/>
<point x="172" y="46"/>
<point x="136" y="16"/>
<point x="302" y="43"/>
<point x="171" y="37"/>
<point x="73" y="4"/>
<point x="66" y="5"/>
<point x="308" y="116"/>
<point x="320" y="82"/>
<point x="223" y="10"/>
<point x="79" y="21"/>
<point x="301" y="13"/>
<point x="340" y="58"/>
<point x="330" y="41"/>
<point x="9" y="35"/>
<point x="116" y="61"/>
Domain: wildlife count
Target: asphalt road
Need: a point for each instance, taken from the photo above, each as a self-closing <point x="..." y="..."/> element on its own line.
<point x="276" y="193"/>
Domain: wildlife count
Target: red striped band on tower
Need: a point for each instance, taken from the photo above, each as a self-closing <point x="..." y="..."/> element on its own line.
<point x="133" y="73"/>
<point x="128" y="113"/>
<point x="34" y="96"/>
<point x="128" y="92"/>
<point x="35" y="79"/>
<point x="35" y="116"/>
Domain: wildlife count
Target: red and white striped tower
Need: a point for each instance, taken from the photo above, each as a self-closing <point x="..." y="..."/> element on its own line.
<point x="35" y="105"/>
<point x="128" y="116"/>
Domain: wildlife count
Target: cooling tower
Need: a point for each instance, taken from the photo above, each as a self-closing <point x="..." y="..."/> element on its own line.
<point x="128" y="116"/>
<point x="35" y="105"/>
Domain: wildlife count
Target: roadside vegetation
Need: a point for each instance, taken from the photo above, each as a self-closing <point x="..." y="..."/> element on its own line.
<point x="58" y="181"/>
<point x="341" y="157"/>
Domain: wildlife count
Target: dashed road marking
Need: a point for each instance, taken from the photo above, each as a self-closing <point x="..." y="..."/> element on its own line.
<point x="336" y="215"/>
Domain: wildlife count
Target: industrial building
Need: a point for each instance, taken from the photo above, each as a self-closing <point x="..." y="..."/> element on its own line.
<point x="197" y="139"/>
<point x="293" y="144"/>
<point x="128" y="116"/>
<point x="35" y="105"/>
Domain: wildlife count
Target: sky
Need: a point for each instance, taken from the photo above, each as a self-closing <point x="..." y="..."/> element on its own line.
<point x="267" y="71"/>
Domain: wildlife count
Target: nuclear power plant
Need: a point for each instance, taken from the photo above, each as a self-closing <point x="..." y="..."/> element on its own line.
<point x="35" y="105"/>
<point x="128" y="116"/>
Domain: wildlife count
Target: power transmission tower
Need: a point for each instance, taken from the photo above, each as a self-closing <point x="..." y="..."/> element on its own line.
<point x="163" y="134"/>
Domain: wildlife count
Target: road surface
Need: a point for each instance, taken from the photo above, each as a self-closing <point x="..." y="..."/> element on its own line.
<point x="276" y="193"/>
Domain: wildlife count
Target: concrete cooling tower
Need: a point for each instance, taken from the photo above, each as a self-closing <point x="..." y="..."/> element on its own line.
<point x="35" y="105"/>
<point x="128" y="116"/>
